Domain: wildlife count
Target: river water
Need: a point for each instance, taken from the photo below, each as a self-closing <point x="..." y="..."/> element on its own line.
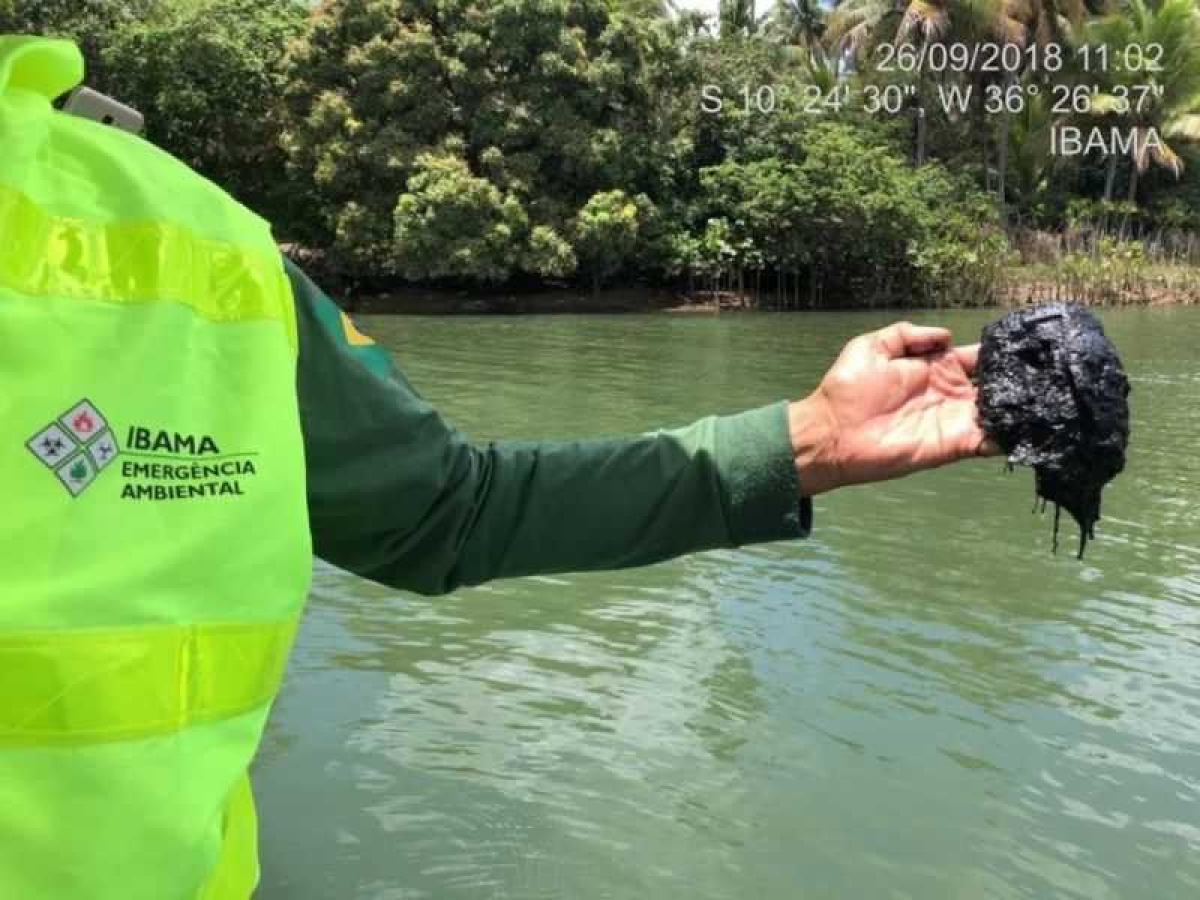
<point x="920" y="701"/>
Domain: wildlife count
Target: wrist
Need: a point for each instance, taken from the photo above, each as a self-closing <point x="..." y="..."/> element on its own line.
<point x="813" y="432"/>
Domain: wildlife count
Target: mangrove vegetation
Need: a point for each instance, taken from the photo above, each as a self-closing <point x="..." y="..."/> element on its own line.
<point x="861" y="153"/>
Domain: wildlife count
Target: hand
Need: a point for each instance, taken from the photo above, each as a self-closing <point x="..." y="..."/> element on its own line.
<point x="897" y="400"/>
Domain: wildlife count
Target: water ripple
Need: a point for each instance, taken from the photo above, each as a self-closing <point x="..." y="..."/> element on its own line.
<point x="921" y="701"/>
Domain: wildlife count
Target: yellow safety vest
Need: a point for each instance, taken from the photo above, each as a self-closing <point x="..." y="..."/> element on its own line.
<point x="154" y="543"/>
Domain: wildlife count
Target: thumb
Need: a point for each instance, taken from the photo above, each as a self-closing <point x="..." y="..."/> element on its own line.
<point x="906" y="339"/>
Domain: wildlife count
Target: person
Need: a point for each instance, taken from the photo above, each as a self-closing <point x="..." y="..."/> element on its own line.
<point x="187" y="419"/>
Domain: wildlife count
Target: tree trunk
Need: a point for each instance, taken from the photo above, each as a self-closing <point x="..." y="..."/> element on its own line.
<point x="919" y="155"/>
<point x="982" y="130"/>
<point x="1002" y="170"/>
<point x="919" y="140"/>
<point x="1110" y="178"/>
<point x="1133" y="182"/>
<point x="1002" y="156"/>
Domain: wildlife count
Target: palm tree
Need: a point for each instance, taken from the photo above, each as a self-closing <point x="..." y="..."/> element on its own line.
<point x="740" y="17"/>
<point x="800" y="22"/>
<point x="1052" y="21"/>
<point x="857" y="27"/>
<point x="1028" y="145"/>
<point x="1025" y="23"/>
<point x="1170" y="111"/>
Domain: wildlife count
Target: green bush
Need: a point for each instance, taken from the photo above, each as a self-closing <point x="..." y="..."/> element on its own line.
<point x="452" y="224"/>
<point x="847" y="223"/>
<point x="207" y="75"/>
<point x="549" y="103"/>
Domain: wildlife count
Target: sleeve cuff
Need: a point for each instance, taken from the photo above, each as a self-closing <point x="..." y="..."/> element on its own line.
<point x="754" y="459"/>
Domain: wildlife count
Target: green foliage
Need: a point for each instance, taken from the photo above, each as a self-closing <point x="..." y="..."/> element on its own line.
<point x="1089" y="213"/>
<point x="960" y="251"/>
<point x="488" y="141"/>
<point x="800" y="22"/>
<point x="549" y="254"/>
<point x="1175" y="203"/>
<point x="1105" y="272"/>
<point x="607" y="231"/>
<point x="741" y="74"/>
<point x="1172" y="27"/>
<point x="92" y="24"/>
<point x="205" y="74"/>
<point x="452" y="224"/>
<point x="850" y="217"/>
<point x="1030" y="162"/>
<point x="207" y="77"/>
<point x="549" y="101"/>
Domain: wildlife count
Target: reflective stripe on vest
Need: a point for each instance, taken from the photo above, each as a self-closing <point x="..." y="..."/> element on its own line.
<point x="51" y="255"/>
<point x="154" y="552"/>
<point x="79" y="687"/>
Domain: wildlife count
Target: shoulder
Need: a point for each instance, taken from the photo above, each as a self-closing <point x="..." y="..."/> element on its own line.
<point x="326" y="331"/>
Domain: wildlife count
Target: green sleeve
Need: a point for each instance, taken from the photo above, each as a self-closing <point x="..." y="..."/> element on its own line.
<point x="398" y="496"/>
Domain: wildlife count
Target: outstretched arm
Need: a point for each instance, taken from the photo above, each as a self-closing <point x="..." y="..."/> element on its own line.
<point x="397" y="496"/>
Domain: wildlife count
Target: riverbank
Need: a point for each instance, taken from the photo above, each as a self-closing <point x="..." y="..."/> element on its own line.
<point x="1092" y="286"/>
<point x="1153" y="285"/>
<point x="425" y="301"/>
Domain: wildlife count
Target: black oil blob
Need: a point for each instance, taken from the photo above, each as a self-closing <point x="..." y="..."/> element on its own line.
<point x="1052" y="394"/>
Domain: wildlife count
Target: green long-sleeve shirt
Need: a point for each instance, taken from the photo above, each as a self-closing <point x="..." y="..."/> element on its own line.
<point x="398" y="496"/>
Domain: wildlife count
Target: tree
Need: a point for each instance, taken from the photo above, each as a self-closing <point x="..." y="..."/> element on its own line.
<point x="800" y="22"/>
<point x="661" y="9"/>
<point x="860" y="233"/>
<point x="607" y="231"/>
<point x="208" y="78"/>
<point x="1028" y="156"/>
<point x="452" y="224"/>
<point x="860" y="24"/>
<point x="92" y="24"/>
<point x="204" y="73"/>
<point x="740" y="18"/>
<point x="1026" y="23"/>
<point x="550" y="101"/>
<point x="858" y="27"/>
<point x="1167" y="115"/>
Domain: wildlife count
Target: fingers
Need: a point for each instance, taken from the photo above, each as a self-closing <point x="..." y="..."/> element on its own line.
<point x="968" y="357"/>
<point x="905" y="339"/>
<point x="987" y="447"/>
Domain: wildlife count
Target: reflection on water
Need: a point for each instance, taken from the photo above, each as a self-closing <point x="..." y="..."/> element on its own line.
<point x="921" y="701"/>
